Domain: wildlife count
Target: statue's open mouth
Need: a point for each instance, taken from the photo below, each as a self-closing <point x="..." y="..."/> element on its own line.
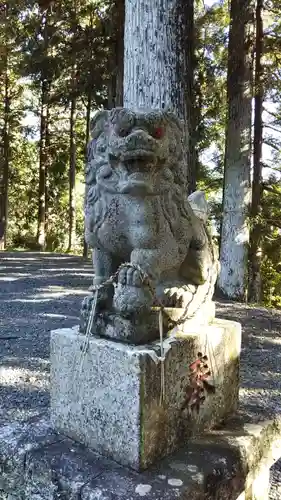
<point x="143" y="155"/>
<point x="136" y="182"/>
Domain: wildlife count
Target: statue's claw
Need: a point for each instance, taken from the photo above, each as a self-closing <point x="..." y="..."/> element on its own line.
<point x="129" y="276"/>
<point x="131" y="293"/>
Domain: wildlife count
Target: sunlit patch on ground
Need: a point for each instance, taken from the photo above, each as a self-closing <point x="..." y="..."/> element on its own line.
<point x="22" y="377"/>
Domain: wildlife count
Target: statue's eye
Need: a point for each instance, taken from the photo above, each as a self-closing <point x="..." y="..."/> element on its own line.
<point x="101" y="148"/>
<point x="122" y="132"/>
<point x="158" y="133"/>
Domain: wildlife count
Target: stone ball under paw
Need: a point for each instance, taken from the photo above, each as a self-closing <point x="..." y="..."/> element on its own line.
<point x="131" y="299"/>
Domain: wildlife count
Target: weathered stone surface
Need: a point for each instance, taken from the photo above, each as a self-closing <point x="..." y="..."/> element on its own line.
<point x="111" y="397"/>
<point x="61" y="469"/>
<point x="227" y="464"/>
<point x="144" y="327"/>
<point x="137" y="215"/>
<point x="15" y="441"/>
<point x="120" y="483"/>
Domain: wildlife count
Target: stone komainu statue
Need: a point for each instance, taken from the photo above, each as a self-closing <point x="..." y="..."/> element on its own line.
<point x="137" y="211"/>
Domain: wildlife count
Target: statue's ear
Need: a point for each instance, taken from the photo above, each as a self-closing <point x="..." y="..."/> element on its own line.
<point x="199" y="205"/>
<point x="171" y="116"/>
<point x="98" y="123"/>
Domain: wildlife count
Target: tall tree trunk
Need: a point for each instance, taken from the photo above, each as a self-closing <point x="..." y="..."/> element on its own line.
<point x="41" y="231"/>
<point x="4" y="173"/>
<point x="72" y="177"/>
<point x="120" y="20"/>
<point x="4" y="161"/>
<point x="47" y="166"/>
<point x="87" y="134"/>
<point x="155" y="57"/>
<point x="191" y="111"/>
<point x="43" y="155"/>
<point x="255" y="233"/>
<point x="237" y="189"/>
<point x="116" y="59"/>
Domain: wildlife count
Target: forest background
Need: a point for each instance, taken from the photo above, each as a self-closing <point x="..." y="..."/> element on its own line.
<point x="62" y="60"/>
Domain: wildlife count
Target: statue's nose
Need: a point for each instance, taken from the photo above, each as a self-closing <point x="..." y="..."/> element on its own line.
<point x="139" y="135"/>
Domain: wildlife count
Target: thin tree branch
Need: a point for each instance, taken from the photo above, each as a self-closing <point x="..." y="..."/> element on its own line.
<point x="271" y="127"/>
<point x="271" y="189"/>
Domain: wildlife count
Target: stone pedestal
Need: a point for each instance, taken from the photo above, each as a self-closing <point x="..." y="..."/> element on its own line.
<point x="110" y="396"/>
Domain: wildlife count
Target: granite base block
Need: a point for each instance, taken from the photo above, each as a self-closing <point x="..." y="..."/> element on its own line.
<point x="109" y="396"/>
<point x="227" y="464"/>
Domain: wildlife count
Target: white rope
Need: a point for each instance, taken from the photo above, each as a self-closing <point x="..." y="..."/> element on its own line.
<point x="162" y="359"/>
<point x="85" y="343"/>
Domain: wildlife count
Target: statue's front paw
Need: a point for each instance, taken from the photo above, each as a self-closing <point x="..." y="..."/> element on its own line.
<point x="130" y="276"/>
<point x="132" y="295"/>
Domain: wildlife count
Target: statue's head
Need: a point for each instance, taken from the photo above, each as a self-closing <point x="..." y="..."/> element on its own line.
<point x="136" y="150"/>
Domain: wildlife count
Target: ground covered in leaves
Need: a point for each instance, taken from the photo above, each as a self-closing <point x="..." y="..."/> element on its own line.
<point x="41" y="292"/>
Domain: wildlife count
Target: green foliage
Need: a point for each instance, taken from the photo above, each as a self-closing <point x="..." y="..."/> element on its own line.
<point x="65" y="46"/>
<point x="271" y="277"/>
<point x="271" y="242"/>
<point x="68" y="45"/>
<point x="210" y="82"/>
<point x="23" y="185"/>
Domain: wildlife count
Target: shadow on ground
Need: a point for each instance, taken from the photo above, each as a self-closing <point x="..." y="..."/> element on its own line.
<point x="260" y="393"/>
<point x="39" y="292"/>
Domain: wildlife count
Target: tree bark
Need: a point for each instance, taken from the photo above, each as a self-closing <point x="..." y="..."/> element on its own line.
<point x="43" y="143"/>
<point x="41" y="231"/>
<point x="191" y="111"/>
<point x="255" y="233"/>
<point x="237" y="190"/>
<point x="116" y="58"/>
<point x="155" y="57"/>
<point x="87" y="134"/>
<point x="120" y="21"/>
<point x="72" y="177"/>
<point x="4" y="161"/>
<point x="47" y="166"/>
<point x="4" y="174"/>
